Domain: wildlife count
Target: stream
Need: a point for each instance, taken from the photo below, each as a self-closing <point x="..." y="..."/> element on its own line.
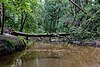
<point x="53" y="55"/>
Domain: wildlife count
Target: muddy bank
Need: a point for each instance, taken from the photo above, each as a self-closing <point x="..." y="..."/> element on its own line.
<point x="10" y="44"/>
<point x="92" y="43"/>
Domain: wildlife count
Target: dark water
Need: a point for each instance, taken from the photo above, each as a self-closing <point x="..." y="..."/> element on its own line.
<point x="71" y="56"/>
<point x="14" y="61"/>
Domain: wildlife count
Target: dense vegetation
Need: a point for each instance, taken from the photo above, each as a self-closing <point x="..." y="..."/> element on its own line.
<point x="80" y="18"/>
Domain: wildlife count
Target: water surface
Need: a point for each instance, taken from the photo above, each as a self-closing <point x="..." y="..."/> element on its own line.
<point x="55" y="55"/>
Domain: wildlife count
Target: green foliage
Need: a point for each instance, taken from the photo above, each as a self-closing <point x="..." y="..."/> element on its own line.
<point x="51" y="16"/>
<point x="11" y="42"/>
<point x="53" y="11"/>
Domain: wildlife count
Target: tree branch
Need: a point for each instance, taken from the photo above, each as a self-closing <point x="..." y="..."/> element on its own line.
<point x="78" y="6"/>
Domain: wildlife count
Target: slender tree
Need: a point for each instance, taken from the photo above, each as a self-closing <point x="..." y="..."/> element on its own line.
<point x="2" y="18"/>
<point x="23" y="20"/>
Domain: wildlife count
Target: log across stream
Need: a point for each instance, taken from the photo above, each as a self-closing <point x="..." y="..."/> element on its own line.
<point x="11" y="43"/>
<point x="64" y="37"/>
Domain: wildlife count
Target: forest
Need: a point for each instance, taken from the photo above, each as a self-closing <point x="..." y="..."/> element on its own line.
<point x="79" y="18"/>
<point x="49" y="33"/>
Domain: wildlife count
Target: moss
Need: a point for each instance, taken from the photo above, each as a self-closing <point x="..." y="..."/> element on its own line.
<point x="22" y="39"/>
<point x="10" y="44"/>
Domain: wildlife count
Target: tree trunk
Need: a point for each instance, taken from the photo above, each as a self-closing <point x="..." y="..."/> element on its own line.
<point x="23" y="19"/>
<point x="2" y="18"/>
<point x="74" y="9"/>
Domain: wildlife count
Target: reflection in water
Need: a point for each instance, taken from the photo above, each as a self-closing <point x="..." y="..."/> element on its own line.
<point x="44" y="62"/>
<point x="49" y="62"/>
<point x="17" y="63"/>
<point x="37" y="63"/>
<point x="70" y="56"/>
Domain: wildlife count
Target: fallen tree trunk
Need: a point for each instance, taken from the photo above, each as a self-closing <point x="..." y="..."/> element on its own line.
<point x="39" y="35"/>
<point x="60" y="35"/>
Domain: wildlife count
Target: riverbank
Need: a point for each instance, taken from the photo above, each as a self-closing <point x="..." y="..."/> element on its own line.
<point x="10" y="44"/>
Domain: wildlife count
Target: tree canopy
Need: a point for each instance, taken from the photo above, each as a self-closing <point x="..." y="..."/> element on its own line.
<point x="77" y="17"/>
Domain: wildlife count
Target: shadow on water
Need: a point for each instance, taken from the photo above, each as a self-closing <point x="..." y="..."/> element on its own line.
<point x="46" y="55"/>
<point x="7" y="61"/>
